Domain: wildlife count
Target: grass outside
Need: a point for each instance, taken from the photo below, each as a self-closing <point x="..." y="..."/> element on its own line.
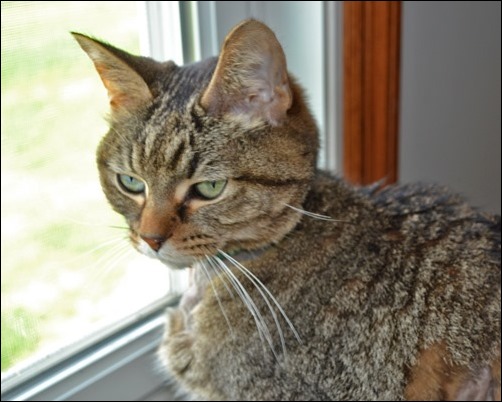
<point x="61" y="262"/>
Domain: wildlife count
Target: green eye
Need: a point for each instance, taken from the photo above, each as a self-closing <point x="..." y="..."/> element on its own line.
<point x="210" y="189"/>
<point x="131" y="184"/>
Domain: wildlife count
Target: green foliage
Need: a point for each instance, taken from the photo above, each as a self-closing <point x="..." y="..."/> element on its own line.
<point x="19" y="336"/>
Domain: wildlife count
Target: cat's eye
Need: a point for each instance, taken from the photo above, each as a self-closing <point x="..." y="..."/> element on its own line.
<point x="209" y="190"/>
<point x="131" y="184"/>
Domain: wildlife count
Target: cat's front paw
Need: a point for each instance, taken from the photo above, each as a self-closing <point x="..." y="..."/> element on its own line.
<point x="178" y="355"/>
<point x="176" y="350"/>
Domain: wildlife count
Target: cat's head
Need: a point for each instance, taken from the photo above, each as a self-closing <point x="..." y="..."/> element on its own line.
<point x="205" y="157"/>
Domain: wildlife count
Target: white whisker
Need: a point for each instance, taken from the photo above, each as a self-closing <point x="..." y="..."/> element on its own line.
<point x="110" y="260"/>
<point x="114" y="250"/>
<point x="206" y="272"/>
<point x="219" y="273"/>
<point x="248" y="302"/>
<point x="91" y="224"/>
<point x="256" y="285"/>
<point x="115" y="241"/>
<point x="314" y="215"/>
<point x="222" y="275"/>
<point x="119" y="256"/>
<point x="118" y="227"/>
<point x="293" y="329"/>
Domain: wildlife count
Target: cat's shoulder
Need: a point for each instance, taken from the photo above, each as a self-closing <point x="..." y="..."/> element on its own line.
<point x="419" y="204"/>
<point x="426" y="199"/>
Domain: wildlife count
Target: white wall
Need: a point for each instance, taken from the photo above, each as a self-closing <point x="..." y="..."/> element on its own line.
<point x="450" y="97"/>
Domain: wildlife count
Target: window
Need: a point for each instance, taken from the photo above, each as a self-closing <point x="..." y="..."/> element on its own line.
<point x="60" y="240"/>
<point x="68" y="270"/>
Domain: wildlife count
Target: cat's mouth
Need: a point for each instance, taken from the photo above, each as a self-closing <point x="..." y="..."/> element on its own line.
<point x="165" y="253"/>
<point x="169" y="255"/>
<point x="175" y="260"/>
<point x="186" y="251"/>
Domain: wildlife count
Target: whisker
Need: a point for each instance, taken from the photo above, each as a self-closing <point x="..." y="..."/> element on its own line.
<point x="118" y="227"/>
<point x="222" y="275"/>
<point x="109" y="256"/>
<point x="95" y="254"/>
<point x="206" y="272"/>
<point x="110" y="260"/>
<point x="293" y="329"/>
<point x="87" y="223"/>
<point x="96" y="277"/>
<point x="114" y="241"/>
<point x="261" y="326"/>
<point x="316" y="216"/>
<point x="274" y="316"/>
<point x="218" y="273"/>
<point x="121" y="255"/>
<point x="112" y="264"/>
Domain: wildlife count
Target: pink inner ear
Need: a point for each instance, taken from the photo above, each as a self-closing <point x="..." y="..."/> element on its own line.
<point x="250" y="80"/>
<point x="270" y="104"/>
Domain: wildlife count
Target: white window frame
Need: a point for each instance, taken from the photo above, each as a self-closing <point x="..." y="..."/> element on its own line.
<point x="117" y="365"/>
<point x="120" y="364"/>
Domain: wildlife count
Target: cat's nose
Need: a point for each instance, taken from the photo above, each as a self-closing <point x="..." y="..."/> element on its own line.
<point x="154" y="241"/>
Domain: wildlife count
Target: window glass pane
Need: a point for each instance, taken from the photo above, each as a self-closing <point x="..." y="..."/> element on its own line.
<point x="67" y="266"/>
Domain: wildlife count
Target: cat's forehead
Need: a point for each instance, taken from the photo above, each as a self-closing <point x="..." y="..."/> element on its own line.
<point x="170" y="137"/>
<point x="178" y="86"/>
<point x="174" y="142"/>
<point x="174" y="111"/>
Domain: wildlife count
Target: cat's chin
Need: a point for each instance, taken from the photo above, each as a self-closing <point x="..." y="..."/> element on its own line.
<point x="167" y="255"/>
<point x="177" y="264"/>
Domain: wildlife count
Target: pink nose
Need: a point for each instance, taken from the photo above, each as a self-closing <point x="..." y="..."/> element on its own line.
<point x="154" y="241"/>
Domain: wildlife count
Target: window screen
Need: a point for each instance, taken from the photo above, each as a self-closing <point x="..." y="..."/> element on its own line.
<point x="67" y="267"/>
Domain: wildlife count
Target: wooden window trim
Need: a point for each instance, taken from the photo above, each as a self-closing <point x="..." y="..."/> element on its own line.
<point x="371" y="42"/>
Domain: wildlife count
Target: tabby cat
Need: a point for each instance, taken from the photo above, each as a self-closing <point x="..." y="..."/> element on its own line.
<point x="303" y="287"/>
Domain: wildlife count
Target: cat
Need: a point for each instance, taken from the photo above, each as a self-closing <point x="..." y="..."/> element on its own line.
<point x="303" y="286"/>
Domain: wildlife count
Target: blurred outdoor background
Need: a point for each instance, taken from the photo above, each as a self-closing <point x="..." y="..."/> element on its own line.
<point x="67" y="268"/>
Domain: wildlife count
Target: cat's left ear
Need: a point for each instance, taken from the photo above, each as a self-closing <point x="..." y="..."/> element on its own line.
<point x="126" y="77"/>
<point x="251" y="77"/>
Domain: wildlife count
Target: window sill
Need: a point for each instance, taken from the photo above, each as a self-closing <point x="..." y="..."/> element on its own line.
<point x="122" y="366"/>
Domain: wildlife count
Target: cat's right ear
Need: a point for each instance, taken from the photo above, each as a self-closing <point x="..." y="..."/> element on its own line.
<point x="251" y="78"/>
<point x="127" y="88"/>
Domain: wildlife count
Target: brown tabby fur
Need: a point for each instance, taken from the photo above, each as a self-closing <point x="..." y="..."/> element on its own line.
<point x="396" y="297"/>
